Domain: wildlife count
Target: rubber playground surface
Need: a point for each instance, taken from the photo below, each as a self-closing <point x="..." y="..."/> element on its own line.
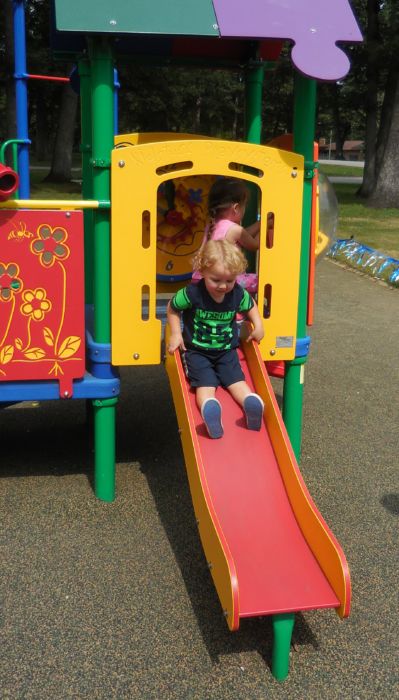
<point x="114" y="601"/>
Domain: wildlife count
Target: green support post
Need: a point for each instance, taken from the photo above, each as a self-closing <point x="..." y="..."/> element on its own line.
<point x="304" y="127"/>
<point x="254" y="76"/>
<point x="282" y="629"/>
<point x="253" y="102"/>
<point x="104" y="448"/>
<point x="102" y="104"/>
<point x="15" y="166"/>
<point x="87" y="173"/>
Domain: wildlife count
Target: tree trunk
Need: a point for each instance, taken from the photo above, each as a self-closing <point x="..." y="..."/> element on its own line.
<point x="370" y="167"/>
<point x="386" y="113"/>
<point x="11" y="122"/>
<point x="234" y="132"/>
<point x="42" y="127"/>
<point x="61" y="166"/>
<point x="386" y="191"/>
<point x="339" y="144"/>
<point x="197" y="115"/>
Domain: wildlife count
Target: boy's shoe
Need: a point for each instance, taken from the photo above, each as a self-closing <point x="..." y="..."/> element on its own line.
<point x="253" y="409"/>
<point x="211" y="412"/>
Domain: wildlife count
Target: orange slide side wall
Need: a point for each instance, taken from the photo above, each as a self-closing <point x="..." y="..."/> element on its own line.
<point x="319" y="537"/>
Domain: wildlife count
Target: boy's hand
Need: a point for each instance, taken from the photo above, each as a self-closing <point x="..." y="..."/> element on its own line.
<point x="175" y="341"/>
<point x="257" y="334"/>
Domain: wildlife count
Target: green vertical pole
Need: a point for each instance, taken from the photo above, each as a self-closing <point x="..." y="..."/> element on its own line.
<point x="254" y="76"/>
<point x="104" y="448"/>
<point x="87" y="173"/>
<point x="14" y="148"/>
<point x="282" y="629"/>
<point x="253" y="102"/>
<point x="304" y="128"/>
<point x="102" y="103"/>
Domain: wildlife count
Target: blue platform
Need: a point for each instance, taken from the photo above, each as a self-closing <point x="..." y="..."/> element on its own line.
<point x="88" y="387"/>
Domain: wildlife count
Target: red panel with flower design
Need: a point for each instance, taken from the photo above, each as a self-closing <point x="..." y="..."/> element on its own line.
<point x="42" y="297"/>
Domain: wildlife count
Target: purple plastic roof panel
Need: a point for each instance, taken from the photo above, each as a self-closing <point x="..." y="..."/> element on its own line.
<point x="313" y="25"/>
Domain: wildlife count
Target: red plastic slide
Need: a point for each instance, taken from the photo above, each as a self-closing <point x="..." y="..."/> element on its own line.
<point x="268" y="548"/>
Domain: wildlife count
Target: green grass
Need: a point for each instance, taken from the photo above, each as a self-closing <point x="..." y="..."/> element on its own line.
<point x="377" y="228"/>
<point x="340" y="170"/>
<point x="50" y="190"/>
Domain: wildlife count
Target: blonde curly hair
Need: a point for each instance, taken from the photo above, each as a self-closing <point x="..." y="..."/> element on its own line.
<point x="228" y="254"/>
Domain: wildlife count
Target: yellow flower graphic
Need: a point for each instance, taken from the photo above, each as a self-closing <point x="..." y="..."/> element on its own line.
<point x="36" y="305"/>
<point x="10" y="283"/>
<point x="49" y="244"/>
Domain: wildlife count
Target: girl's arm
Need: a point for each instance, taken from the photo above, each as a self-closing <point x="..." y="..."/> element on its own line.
<point x="257" y="332"/>
<point x="238" y="234"/>
<point x="253" y="229"/>
<point x="175" y="338"/>
<point x="248" y="237"/>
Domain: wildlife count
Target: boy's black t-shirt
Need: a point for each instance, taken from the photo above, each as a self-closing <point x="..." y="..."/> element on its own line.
<point x="208" y="325"/>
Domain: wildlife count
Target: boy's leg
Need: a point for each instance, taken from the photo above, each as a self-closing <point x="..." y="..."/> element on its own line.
<point x="251" y="403"/>
<point x="202" y="393"/>
<point x="239" y="391"/>
<point x="204" y="380"/>
<point x="232" y="377"/>
<point x="253" y="409"/>
<point x="211" y="412"/>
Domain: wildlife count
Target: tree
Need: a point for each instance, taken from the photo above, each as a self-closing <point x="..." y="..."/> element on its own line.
<point x="380" y="184"/>
<point x="371" y="59"/>
<point x="386" y="188"/>
<point x="7" y="56"/>
<point x="61" y="164"/>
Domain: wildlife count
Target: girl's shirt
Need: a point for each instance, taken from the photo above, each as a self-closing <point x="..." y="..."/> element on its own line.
<point x="248" y="280"/>
<point x="218" y="234"/>
<point x="220" y="229"/>
<point x="208" y="325"/>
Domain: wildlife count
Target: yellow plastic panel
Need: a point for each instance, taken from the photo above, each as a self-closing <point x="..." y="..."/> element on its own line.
<point x="279" y="264"/>
<point x="137" y="172"/>
<point x="140" y="137"/>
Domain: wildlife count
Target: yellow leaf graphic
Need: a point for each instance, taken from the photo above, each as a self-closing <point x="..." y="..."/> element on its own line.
<point x="18" y="343"/>
<point x="6" y="354"/>
<point x="48" y="336"/>
<point x="69" y="346"/>
<point x="35" y="354"/>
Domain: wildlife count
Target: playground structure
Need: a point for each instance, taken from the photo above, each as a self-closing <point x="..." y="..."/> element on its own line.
<point x="66" y="325"/>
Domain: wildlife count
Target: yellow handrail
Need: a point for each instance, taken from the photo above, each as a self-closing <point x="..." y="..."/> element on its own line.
<point x="54" y="204"/>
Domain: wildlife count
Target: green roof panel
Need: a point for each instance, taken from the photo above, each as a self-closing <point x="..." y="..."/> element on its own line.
<point x="176" y="18"/>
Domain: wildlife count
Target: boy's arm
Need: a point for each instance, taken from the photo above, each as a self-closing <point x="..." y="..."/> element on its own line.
<point x="175" y="338"/>
<point x="257" y="332"/>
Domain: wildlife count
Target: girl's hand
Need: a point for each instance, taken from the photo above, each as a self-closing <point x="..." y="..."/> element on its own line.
<point x="175" y="341"/>
<point x="257" y="333"/>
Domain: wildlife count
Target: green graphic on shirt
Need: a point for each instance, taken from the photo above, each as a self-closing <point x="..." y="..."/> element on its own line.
<point x="213" y="329"/>
<point x="207" y="327"/>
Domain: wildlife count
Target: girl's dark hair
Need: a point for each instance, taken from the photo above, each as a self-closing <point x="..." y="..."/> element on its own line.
<point x="224" y="192"/>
